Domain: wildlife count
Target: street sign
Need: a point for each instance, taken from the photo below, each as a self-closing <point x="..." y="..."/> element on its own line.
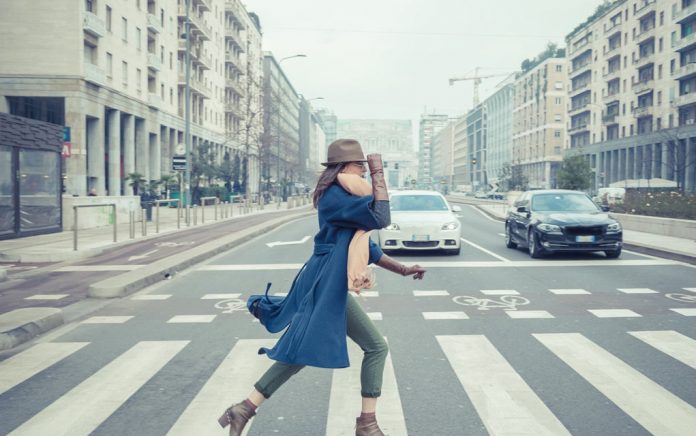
<point x="181" y="149"/>
<point x="67" y="146"/>
<point x="413" y="182"/>
<point x="179" y="163"/>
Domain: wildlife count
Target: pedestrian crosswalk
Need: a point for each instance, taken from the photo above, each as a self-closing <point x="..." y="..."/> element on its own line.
<point x="501" y="395"/>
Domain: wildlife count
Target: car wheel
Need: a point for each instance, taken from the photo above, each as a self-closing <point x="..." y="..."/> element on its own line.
<point x="509" y="243"/>
<point x="535" y="251"/>
<point x="613" y="254"/>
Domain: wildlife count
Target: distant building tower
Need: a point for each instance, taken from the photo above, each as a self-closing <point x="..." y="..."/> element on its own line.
<point x="328" y="122"/>
<point x="430" y="125"/>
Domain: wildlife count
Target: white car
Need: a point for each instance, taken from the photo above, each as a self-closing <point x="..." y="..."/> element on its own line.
<point x="421" y="220"/>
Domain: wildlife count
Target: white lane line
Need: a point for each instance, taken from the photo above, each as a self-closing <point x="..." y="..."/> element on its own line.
<point x="106" y="320"/>
<point x="637" y="291"/>
<point x="483" y="214"/>
<point x="685" y="312"/>
<point x="86" y="406"/>
<point x="690" y="289"/>
<point x="486" y="264"/>
<point x="229" y="384"/>
<point x="445" y="315"/>
<point x="20" y="367"/>
<point x="430" y="293"/>
<point x="152" y="297"/>
<point x="375" y="316"/>
<point x="365" y="294"/>
<point x="98" y="268"/>
<point x="626" y="387"/>
<point x="503" y="400"/>
<point x="46" y="297"/>
<point x="635" y="253"/>
<point x="501" y="234"/>
<point x="345" y="399"/>
<point x="219" y="296"/>
<point x="672" y="343"/>
<point x="613" y="313"/>
<point x="528" y="314"/>
<point x="485" y="250"/>
<point x="569" y="291"/>
<point x="499" y="292"/>
<point x="182" y="319"/>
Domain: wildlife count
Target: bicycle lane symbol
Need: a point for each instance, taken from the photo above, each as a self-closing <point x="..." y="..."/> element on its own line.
<point x="682" y="298"/>
<point x="506" y="302"/>
<point x="231" y="305"/>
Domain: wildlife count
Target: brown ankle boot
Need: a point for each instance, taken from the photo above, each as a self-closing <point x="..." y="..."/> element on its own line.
<point x="367" y="427"/>
<point x="236" y="417"/>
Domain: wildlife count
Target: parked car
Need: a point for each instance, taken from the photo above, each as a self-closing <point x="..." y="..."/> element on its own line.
<point x="549" y="221"/>
<point x="421" y="220"/>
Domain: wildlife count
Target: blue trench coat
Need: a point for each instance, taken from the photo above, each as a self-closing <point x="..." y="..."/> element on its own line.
<point x="314" y="310"/>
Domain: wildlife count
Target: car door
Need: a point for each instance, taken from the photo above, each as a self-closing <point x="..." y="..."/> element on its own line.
<point x="519" y="223"/>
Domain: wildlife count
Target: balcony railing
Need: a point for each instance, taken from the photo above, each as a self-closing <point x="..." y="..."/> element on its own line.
<point x="645" y="35"/>
<point x="645" y="9"/>
<point x="233" y="8"/>
<point x="643" y="111"/>
<point x="234" y="109"/>
<point x="154" y="62"/>
<point x="197" y="86"/>
<point x="610" y="118"/>
<point x="642" y="86"/>
<point x="153" y="23"/>
<point x="154" y="100"/>
<point x="579" y="108"/>
<point x="231" y="58"/>
<point x="93" y="24"/>
<point x="685" y="71"/>
<point x="204" y="5"/>
<point x="235" y="86"/>
<point x="686" y="99"/>
<point x="611" y="51"/>
<point x="644" y="60"/>
<point x="236" y="38"/>
<point x="580" y="69"/>
<point x="94" y="74"/>
<point x="577" y="129"/>
<point x="686" y="42"/>
<point x="197" y="24"/>
<point x="203" y="60"/>
<point x="612" y="27"/>
<point x="684" y="14"/>
<point x="579" y="87"/>
<point x="609" y="97"/>
<point x="612" y="74"/>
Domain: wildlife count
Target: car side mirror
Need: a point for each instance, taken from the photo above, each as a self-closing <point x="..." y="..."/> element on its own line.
<point x="604" y="207"/>
<point x="456" y="209"/>
<point x="522" y="209"/>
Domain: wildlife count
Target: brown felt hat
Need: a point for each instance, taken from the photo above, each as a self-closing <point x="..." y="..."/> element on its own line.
<point x="344" y="150"/>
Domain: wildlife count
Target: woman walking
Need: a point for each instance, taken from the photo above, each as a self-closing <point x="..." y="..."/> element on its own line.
<point x="318" y="312"/>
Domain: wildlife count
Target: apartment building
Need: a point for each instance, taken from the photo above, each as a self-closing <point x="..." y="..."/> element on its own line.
<point x="539" y="121"/>
<point x="462" y="181"/>
<point x="114" y="73"/>
<point x="476" y="147"/>
<point x="442" y="158"/>
<point x="430" y="125"/>
<point x="392" y="138"/>
<point x="631" y="106"/>
<point x="499" y="125"/>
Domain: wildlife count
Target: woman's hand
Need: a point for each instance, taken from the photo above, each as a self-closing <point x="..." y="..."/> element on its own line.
<point x="416" y="270"/>
<point x="374" y="162"/>
<point x="392" y="265"/>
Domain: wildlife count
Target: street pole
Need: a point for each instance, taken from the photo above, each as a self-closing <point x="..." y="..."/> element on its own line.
<point x="187" y="129"/>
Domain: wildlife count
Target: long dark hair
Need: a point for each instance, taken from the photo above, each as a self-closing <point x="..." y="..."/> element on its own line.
<point x="326" y="179"/>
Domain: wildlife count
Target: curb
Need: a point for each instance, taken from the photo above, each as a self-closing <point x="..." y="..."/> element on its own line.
<point x="20" y="325"/>
<point x="140" y="278"/>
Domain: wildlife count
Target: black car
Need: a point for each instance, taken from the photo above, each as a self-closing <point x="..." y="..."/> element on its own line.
<point x="549" y="221"/>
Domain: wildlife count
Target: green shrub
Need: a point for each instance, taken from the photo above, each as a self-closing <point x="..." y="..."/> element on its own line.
<point x="667" y="204"/>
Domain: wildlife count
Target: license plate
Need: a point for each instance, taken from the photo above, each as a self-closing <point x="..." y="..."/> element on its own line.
<point x="589" y="238"/>
<point x="420" y="238"/>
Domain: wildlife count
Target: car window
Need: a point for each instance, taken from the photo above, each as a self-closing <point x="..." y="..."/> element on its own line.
<point x="563" y="203"/>
<point x="417" y="203"/>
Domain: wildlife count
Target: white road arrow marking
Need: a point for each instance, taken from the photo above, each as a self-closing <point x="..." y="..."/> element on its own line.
<point x="302" y="241"/>
<point x="142" y="256"/>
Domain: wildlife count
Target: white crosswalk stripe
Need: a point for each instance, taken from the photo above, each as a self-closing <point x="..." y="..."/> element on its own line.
<point x="345" y="399"/>
<point x="672" y="343"/>
<point x="81" y="410"/>
<point x="231" y="381"/>
<point x="503" y="400"/>
<point x="633" y="392"/>
<point x="30" y="362"/>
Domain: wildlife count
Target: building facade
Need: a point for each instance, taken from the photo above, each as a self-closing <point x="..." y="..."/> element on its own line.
<point x="499" y="110"/>
<point x="392" y="138"/>
<point x="632" y="109"/>
<point x="329" y="123"/>
<point x="116" y="77"/>
<point x="281" y="127"/>
<point x="462" y="181"/>
<point x="442" y="158"/>
<point x="430" y="125"/>
<point x="539" y="114"/>
<point x="476" y="133"/>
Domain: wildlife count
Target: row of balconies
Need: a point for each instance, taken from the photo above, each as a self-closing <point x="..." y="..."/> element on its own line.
<point x="644" y="10"/>
<point x="236" y="38"/>
<point x="234" y="109"/>
<point x="235" y="11"/>
<point x="645" y="35"/>
<point x="153" y="23"/>
<point x="198" y="57"/>
<point x="234" y="60"/>
<point x="235" y="86"/>
<point x="684" y="14"/>
<point x="197" y="86"/>
<point x="198" y="26"/>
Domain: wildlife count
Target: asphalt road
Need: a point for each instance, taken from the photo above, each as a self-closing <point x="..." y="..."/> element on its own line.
<point x="490" y="342"/>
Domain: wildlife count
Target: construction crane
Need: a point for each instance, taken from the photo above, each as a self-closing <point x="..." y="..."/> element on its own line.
<point x="477" y="81"/>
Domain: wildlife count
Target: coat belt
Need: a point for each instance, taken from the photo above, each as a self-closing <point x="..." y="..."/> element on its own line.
<point x="321" y="249"/>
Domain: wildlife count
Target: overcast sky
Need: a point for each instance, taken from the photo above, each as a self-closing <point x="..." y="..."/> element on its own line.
<point x="391" y="59"/>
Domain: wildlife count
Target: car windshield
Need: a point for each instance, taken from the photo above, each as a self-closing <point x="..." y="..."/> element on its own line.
<point x="563" y="203"/>
<point x="417" y="203"/>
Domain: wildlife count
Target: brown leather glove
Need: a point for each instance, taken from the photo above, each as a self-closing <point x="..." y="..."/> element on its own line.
<point x="392" y="265"/>
<point x="379" y="185"/>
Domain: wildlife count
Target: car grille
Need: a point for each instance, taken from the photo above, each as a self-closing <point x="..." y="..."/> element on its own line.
<point x="578" y="231"/>
<point x="420" y="244"/>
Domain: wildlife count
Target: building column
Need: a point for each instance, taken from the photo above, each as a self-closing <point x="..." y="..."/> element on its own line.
<point x="142" y="149"/>
<point x="114" y="120"/>
<point x="165" y="151"/>
<point x="664" y="162"/>
<point x="690" y="165"/>
<point x="128" y="144"/>
<point x="95" y="155"/>
<point x="155" y="157"/>
<point x="638" y="157"/>
<point x="75" y="170"/>
<point x="656" y="160"/>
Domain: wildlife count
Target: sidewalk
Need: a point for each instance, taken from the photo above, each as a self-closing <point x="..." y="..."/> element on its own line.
<point x="658" y="243"/>
<point x="38" y="301"/>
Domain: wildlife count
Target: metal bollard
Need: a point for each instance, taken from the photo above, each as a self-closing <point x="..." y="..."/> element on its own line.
<point x="144" y="221"/>
<point x="157" y="218"/>
<point x="188" y="215"/>
<point x="178" y="215"/>
<point x="131" y="224"/>
<point x="75" y="228"/>
<point x="215" y="205"/>
<point x="195" y="215"/>
<point x="202" y="213"/>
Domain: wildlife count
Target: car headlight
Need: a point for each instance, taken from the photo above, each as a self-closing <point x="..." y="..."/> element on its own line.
<point x="450" y="226"/>
<point x="614" y="228"/>
<point x="549" y="228"/>
<point x="392" y="226"/>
